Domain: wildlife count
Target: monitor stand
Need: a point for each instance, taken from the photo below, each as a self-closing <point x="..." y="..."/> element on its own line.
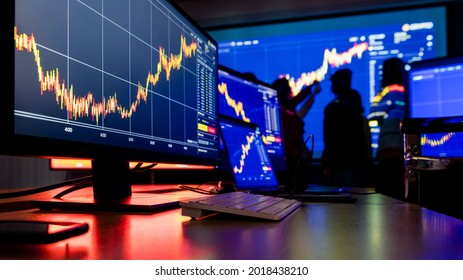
<point x="112" y="191"/>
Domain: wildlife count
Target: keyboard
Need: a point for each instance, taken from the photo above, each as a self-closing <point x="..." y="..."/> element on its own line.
<point x="240" y="203"/>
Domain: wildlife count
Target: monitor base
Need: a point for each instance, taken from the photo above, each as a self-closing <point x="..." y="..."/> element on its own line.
<point x="133" y="204"/>
<point x="145" y="198"/>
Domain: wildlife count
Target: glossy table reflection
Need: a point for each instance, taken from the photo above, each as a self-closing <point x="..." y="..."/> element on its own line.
<point x="376" y="227"/>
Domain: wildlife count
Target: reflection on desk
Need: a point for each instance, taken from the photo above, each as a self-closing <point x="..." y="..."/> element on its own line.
<point x="376" y="227"/>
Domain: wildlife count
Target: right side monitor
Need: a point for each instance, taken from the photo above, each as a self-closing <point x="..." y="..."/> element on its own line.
<point x="434" y="92"/>
<point x="435" y="88"/>
<point x="313" y="49"/>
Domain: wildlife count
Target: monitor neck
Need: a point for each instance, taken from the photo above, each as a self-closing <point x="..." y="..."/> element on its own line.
<point x="111" y="180"/>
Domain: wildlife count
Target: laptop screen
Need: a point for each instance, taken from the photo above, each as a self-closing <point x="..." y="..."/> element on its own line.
<point x="247" y="156"/>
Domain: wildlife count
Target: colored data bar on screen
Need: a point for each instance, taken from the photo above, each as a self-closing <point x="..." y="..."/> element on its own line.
<point x="207" y="129"/>
<point x="66" y="164"/>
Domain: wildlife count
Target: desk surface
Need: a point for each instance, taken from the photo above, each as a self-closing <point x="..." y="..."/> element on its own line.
<point x="376" y="227"/>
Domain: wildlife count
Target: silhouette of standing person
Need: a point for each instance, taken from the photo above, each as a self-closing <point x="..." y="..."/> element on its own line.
<point x="293" y="110"/>
<point x="347" y="145"/>
<point x="388" y="109"/>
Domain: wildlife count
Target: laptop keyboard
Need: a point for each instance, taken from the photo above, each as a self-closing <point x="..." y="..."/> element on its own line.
<point x="240" y="203"/>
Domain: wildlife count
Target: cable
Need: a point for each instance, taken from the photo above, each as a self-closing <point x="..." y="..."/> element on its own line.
<point x="80" y="183"/>
<point x="80" y="186"/>
<point x="301" y="153"/>
<point x="197" y="189"/>
<point x="44" y="188"/>
<point x="200" y="189"/>
<point x="137" y="168"/>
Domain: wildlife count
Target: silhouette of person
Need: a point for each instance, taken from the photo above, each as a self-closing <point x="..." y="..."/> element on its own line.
<point x="346" y="138"/>
<point x="249" y="76"/>
<point x="293" y="110"/>
<point x="388" y="109"/>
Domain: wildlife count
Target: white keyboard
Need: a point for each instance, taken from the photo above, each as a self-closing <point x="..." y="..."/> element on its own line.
<point x="240" y="203"/>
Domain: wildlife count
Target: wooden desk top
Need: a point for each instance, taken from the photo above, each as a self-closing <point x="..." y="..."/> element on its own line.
<point x="376" y="227"/>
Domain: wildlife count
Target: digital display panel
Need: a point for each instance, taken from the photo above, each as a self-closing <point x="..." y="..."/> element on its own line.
<point x="305" y="51"/>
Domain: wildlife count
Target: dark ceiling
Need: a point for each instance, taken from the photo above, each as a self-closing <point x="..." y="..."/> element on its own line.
<point x="216" y="13"/>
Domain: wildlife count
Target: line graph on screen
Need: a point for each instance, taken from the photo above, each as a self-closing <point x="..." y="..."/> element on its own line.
<point x="87" y="105"/>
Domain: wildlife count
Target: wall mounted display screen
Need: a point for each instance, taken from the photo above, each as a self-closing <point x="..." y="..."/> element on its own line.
<point x="305" y="51"/>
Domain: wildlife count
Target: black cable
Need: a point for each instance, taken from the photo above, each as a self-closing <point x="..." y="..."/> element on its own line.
<point x="200" y="189"/>
<point x="80" y="186"/>
<point x="197" y="189"/>
<point x="80" y="183"/>
<point x="137" y="168"/>
<point x="301" y="153"/>
<point x="44" y="188"/>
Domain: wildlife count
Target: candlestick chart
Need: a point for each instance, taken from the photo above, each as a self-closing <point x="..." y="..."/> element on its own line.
<point x="85" y="106"/>
<point x="331" y="58"/>
<point x="448" y="144"/>
<point x="247" y="154"/>
<point x="245" y="150"/>
<point x="236" y="106"/>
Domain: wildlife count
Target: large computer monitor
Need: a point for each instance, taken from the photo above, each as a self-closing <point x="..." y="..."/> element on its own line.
<point x="253" y="101"/>
<point x="113" y="81"/>
<point x="305" y="50"/>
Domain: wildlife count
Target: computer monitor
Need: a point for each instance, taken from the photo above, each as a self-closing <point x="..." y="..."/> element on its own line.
<point x="112" y="81"/>
<point x="305" y="50"/>
<point x="253" y="101"/>
<point x="433" y="90"/>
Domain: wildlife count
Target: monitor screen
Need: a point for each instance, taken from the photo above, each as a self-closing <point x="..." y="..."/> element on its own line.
<point x="113" y="81"/>
<point x="313" y="49"/>
<point x="434" y="88"/>
<point x="249" y="161"/>
<point x="255" y="102"/>
<point x="434" y="95"/>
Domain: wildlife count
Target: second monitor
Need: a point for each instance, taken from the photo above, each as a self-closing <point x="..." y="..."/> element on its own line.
<point x="254" y="101"/>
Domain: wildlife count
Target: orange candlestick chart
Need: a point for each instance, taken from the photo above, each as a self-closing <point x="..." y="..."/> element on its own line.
<point x="330" y="58"/>
<point x="87" y="106"/>
<point x="237" y="106"/>
<point x="429" y="141"/>
<point x="442" y="144"/>
<point x="245" y="148"/>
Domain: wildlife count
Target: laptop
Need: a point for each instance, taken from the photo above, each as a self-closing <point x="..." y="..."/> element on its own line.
<point x="251" y="167"/>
